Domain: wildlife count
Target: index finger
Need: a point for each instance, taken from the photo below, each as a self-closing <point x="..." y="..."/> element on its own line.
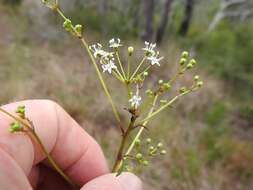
<point x="75" y="151"/>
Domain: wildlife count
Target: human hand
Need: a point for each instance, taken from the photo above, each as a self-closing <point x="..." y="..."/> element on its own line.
<point x="23" y="165"/>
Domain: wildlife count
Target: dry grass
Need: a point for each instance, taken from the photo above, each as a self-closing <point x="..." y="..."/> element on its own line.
<point x="203" y="153"/>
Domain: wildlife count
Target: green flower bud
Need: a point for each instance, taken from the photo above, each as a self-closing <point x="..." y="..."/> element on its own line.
<point x="138" y="142"/>
<point x="78" y="29"/>
<point x="160" y="145"/>
<point x="21" y="111"/>
<point x="45" y="1"/>
<point x="151" y="148"/>
<point x="160" y="82"/>
<point x="196" y="78"/>
<point x="130" y="50"/>
<point x="148" y="140"/>
<point x="193" y="62"/>
<point x="182" y="61"/>
<point x="166" y="86"/>
<point x="67" y="25"/>
<point x="182" y="90"/>
<point x="189" y="66"/>
<point x="138" y="156"/>
<point x="185" y="54"/>
<point x="15" y="127"/>
<point x="145" y="73"/>
<point x="163" y="152"/>
<point x="200" y="83"/>
<point x="145" y="163"/>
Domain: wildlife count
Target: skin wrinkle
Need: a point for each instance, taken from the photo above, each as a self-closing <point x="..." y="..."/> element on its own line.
<point x="77" y="160"/>
<point x="84" y="147"/>
<point x="57" y="126"/>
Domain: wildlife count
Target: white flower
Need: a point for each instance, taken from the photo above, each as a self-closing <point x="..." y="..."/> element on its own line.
<point x="135" y="101"/>
<point x="97" y="50"/>
<point x="149" y="48"/>
<point x="109" y="66"/>
<point x="114" y="43"/>
<point x="154" y="59"/>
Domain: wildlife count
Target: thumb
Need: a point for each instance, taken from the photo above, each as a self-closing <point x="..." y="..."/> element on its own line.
<point x="126" y="181"/>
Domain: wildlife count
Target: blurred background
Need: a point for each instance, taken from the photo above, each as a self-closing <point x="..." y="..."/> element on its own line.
<point x="208" y="135"/>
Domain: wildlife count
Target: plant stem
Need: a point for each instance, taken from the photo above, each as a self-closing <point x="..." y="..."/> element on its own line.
<point x="124" y="139"/>
<point x="137" y="69"/>
<point x="142" y="128"/>
<point x="164" y="106"/>
<point x="97" y="71"/>
<point x="37" y="139"/>
<point x="128" y="67"/>
<point x="120" y="64"/>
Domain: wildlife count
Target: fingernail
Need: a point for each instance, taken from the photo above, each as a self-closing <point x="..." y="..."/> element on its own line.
<point x="130" y="181"/>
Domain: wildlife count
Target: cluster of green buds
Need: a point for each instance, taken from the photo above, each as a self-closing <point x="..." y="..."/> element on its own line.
<point x="154" y="150"/>
<point x="151" y="151"/>
<point x="15" y="127"/>
<point x="74" y="30"/>
<point x="21" y="111"/>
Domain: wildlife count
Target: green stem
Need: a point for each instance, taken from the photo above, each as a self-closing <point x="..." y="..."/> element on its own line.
<point x="164" y="106"/>
<point x="120" y="65"/>
<point x="137" y="69"/>
<point x="37" y="139"/>
<point x="97" y="71"/>
<point x="120" y="156"/>
<point x="142" y="128"/>
<point x="128" y="67"/>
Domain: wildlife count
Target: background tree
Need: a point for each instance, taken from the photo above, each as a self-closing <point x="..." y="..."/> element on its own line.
<point x="241" y="9"/>
<point x="148" y="12"/>
<point x="163" y="21"/>
<point x="184" y="27"/>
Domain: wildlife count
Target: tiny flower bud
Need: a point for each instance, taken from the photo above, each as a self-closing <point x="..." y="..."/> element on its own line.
<point x="145" y="73"/>
<point x="21" y="111"/>
<point x="15" y="127"/>
<point x="185" y="54"/>
<point x="78" y="29"/>
<point x="44" y="1"/>
<point x="200" y="83"/>
<point x="182" y="90"/>
<point x="138" y="156"/>
<point x="130" y="50"/>
<point x="189" y="66"/>
<point x="160" y="145"/>
<point x="148" y="140"/>
<point x="182" y="61"/>
<point x="193" y="62"/>
<point x="67" y="25"/>
<point x="138" y="142"/>
<point x="163" y="152"/>
<point x="196" y="78"/>
<point x="166" y="86"/>
<point x="151" y="148"/>
<point x="145" y="163"/>
<point x="160" y="82"/>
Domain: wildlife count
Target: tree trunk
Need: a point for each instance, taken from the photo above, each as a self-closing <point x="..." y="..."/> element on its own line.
<point x="148" y="12"/>
<point x="163" y="21"/>
<point x="187" y="17"/>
